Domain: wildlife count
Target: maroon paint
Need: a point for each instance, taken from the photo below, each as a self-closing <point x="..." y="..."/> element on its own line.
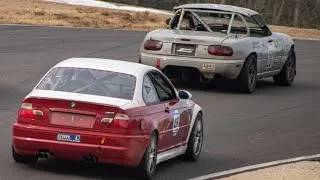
<point x="124" y="146"/>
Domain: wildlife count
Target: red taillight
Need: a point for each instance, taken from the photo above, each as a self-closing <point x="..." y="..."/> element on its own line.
<point x="153" y="45"/>
<point x="27" y="112"/>
<point x="121" y="121"/>
<point x="218" y="50"/>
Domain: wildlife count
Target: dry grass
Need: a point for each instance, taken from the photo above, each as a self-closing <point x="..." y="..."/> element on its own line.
<point x="298" y="32"/>
<point x="36" y="12"/>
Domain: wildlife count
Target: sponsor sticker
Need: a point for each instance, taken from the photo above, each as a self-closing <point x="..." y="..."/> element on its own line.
<point x="68" y="137"/>
<point x="176" y="122"/>
<point x="208" y="66"/>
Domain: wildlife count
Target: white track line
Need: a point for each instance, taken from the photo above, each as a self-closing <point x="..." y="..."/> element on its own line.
<point x="256" y="167"/>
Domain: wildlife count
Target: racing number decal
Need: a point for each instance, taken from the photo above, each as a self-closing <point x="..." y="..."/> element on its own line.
<point x="271" y="56"/>
<point x="278" y="51"/>
<point x="274" y="54"/>
<point x="176" y="122"/>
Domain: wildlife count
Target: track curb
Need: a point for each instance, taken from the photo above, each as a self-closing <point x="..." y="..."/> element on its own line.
<point x="257" y="167"/>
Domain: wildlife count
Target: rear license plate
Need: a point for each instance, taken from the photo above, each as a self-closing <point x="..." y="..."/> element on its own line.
<point x="185" y="49"/>
<point x="68" y="137"/>
<point x="74" y="120"/>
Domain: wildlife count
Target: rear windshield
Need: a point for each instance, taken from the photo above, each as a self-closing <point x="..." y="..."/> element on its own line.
<point x="89" y="81"/>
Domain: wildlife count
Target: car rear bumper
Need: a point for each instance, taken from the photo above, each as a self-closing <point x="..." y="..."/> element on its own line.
<point x="108" y="148"/>
<point x="227" y="68"/>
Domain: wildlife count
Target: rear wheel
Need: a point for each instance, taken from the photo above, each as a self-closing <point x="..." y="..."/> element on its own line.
<point x="148" y="163"/>
<point x="288" y="72"/>
<point x="195" y="141"/>
<point x="25" y="159"/>
<point x="247" y="79"/>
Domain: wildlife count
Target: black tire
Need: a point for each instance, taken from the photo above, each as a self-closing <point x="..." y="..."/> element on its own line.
<point x="288" y="72"/>
<point x="139" y="60"/>
<point x="25" y="159"/>
<point x="147" y="166"/>
<point x="196" y="139"/>
<point x="247" y="79"/>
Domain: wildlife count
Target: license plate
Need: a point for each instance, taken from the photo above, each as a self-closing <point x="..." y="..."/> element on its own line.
<point x="185" y="49"/>
<point x="70" y="119"/>
<point x="68" y="137"/>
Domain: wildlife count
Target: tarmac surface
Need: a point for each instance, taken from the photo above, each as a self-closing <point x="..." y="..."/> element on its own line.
<point x="240" y="129"/>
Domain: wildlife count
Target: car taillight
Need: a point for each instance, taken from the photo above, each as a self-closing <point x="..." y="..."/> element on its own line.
<point x="153" y="45"/>
<point x="121" y="121"/>
<point x="218" y="50"/>
<point x="28" y="113"/>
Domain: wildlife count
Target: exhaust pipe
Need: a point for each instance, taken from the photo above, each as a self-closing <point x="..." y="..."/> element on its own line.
<point x="93" y="159"/>
<point x="90" y="159"/>
<point x="41" y="155"/>
<point x="87" y="159"/>
<point x="47" y="155"/>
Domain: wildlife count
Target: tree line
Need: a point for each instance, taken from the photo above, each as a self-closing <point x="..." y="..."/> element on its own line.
<point x="294" y="13"/>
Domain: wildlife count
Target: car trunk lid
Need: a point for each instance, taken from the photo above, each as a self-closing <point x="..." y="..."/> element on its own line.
<point x="75" y="111"/>
<point x="187" y="43"/>
<point x="189" y="37"/>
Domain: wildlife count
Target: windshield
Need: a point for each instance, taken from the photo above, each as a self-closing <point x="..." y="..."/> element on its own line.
<point x="89" y="81"/>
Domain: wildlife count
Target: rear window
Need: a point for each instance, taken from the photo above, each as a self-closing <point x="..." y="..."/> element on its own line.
<point x="89" y="81"/>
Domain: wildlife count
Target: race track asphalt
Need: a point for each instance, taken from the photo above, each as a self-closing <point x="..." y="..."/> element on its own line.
<point x="273" y="123"/>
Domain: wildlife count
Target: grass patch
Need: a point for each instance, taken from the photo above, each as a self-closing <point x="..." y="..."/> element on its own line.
<point x="36" y="12"/>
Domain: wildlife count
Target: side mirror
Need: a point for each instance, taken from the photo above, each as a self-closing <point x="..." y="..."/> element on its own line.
<point x="168" y="21"/>
<point x="183" y="94"/>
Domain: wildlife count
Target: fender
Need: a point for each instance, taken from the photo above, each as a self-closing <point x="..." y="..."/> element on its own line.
<point x="196" y="110"/>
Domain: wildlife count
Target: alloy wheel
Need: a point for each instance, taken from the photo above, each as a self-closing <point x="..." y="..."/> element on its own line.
<point x="198" y="138"/>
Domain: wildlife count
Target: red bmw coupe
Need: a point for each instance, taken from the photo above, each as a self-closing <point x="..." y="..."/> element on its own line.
<point x="107" y="111"/>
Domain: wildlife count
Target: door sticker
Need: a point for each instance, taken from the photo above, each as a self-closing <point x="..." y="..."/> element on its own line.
<point x="271" y="56"/>
<point x="278" y="51"/>
<point x="176" y="122"/>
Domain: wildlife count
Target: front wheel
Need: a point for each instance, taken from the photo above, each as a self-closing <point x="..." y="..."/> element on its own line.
<point x="148" y="163"/>
<point x="288" y="72"/>
<point x="195" y="141"/>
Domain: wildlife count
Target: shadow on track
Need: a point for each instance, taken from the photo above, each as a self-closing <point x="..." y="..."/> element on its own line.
<point x="106" y="171"/>
<point x="226" y="87"/>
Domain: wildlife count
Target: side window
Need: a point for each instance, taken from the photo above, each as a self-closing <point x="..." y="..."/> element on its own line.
<point x="149" y="93"/>
<point x="265" y="31"/>
<point x="164" y="89"/>
<point x="255" y="28"/>
<point x="238" y="26"/>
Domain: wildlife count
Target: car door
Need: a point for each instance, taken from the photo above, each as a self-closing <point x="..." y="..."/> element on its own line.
<point x="278" y="52"/>
<point x="154" y="113"/>
<point x="176" y="109"/>
<point x="271" y="46"/>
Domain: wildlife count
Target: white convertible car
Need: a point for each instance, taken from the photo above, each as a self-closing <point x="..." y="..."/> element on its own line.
<point x="206" y="41"/>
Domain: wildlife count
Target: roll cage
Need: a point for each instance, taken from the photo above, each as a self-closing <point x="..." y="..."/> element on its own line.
<point x="257" y="19"/>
